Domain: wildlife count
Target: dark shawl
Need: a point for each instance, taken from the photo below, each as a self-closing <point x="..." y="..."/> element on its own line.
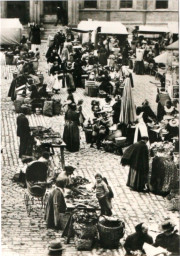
<point x="55" y="205"/>
<point x="22" y="126"/>
<point x="136" y="156"/>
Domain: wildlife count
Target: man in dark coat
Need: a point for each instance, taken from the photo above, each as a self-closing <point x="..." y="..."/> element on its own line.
<point x="59" y="15"/>
<point x="23" y="132"/>
<point x="136" y="156"/>
<point x="136" y="241"/>
<point x="117" y="109"/>
<point x="168" y="239"/>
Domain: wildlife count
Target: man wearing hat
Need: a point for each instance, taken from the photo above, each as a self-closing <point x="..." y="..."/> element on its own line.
<point x="23" y="132"/>
<point x="168" y="239"/>
<point x="59" y="15"/>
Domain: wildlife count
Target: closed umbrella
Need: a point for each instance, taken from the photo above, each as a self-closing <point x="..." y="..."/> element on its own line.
<point x="128" y="109"/>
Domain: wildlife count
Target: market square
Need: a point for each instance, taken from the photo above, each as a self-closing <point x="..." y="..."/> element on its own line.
<point x="82" y="106"/>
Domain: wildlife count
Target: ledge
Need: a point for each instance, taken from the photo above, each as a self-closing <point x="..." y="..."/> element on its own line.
<point x="124" y="10"/>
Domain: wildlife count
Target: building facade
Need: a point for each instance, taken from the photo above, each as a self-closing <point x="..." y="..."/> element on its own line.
<point x="129" y="12"/>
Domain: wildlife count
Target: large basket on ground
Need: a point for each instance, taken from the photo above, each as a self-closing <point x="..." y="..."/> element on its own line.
<point x="110" y="236"/>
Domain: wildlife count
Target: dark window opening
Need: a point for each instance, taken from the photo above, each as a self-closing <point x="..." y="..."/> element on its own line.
<point x="126" y="4"/>
<point x="90" y="3"/>
<point x="161" y="4"/>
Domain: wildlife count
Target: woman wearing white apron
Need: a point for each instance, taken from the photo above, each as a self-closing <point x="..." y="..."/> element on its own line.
<point x="57" y="83"/>
<point x="141" y="128"/>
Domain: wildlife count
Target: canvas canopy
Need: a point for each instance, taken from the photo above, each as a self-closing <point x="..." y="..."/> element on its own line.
<point x="173" y="27"/>
<point x="11" y="31"/>
<point x="162" y="58"/>
<point x="154" y="29"/>
<point x="105" y="27"/>
<point x="173" y="46"/>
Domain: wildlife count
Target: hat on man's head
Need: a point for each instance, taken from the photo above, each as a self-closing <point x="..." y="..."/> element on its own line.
<point x="55" y="246"/>
<point x="69" y="168"/>
<point x="174" y="122"/>
<point x="167" y="225"/>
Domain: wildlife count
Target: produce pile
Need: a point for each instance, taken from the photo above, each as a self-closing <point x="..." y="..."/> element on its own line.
<point x="79" y="194"/>
<point x="164" y="148"/>
<point x="46" y="135"/>
<point x="85" y="228"/>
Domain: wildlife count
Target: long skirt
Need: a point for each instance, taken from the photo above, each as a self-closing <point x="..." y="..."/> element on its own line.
<point x="164" y="176"/>
<point x="136" y="180"/>
<point x="139" y="67"/>
<point x="71" y="136"/>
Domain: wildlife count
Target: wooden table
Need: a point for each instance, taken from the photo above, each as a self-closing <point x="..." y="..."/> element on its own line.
<point x="52" y="146"/>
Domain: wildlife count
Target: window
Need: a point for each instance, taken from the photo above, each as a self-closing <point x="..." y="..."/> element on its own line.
<point x="90" y="3"/>
<point x="126" y="3"/>
<point x="161" y="4"/>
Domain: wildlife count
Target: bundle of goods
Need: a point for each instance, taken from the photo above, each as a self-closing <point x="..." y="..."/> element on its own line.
<point x="80" y="195"/>
<point x="111" y="230"/>
<point x="85" y="228"/>
<point x="91" y="88"/>
<point x="78" y="180"/>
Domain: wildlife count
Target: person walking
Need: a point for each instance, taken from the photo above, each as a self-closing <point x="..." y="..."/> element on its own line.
<point x="136" y="156"/>
<point x="71" y="130"/>
<point x="59" y="15"/>
<point x="23" y="132"/>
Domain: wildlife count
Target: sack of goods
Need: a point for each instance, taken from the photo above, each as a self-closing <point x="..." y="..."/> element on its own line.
<point x="57" y="107"/>
<point x="48" y="108"/>
<point x="17" y="105"/>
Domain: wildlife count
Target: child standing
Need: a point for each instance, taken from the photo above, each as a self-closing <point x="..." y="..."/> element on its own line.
<point x="102" y="195"/>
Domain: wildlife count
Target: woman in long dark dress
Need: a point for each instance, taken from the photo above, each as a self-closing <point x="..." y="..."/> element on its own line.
<point x="71" y="130"/>
<point x="136" y="156"/>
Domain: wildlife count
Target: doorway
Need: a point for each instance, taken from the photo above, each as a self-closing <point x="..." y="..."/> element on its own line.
<point x="50" y="9"/>
<point x="18" y="9"/>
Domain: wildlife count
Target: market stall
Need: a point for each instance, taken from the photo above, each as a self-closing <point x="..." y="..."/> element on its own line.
<point x="152" y="31"/>
<point x="47" y="140"/>
<point x="102" y="28"/>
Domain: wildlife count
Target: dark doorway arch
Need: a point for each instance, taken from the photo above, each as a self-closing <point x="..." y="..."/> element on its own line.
<point x="50" y="9"/>
<point x="18" y="9"/>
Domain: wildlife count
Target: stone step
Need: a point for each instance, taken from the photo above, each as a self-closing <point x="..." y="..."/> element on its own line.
<point x="47" y="29"/>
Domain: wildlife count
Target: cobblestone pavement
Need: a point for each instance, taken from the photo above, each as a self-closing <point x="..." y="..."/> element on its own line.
<point x="25" y="235"/>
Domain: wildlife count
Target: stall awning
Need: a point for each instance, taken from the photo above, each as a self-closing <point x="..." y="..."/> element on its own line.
<point x="173" y="27"/>
<point x="81" y="30"/>
<point x="162" y="58"/>
<point x="154" y="29"/>
<point x="114" y="28"/>
<point x="10" y="32"/>
<point x="106" y="27"/>
<point x="173" y="46"/>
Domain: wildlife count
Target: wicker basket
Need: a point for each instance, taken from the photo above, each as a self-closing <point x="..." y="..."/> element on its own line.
<point x="110" y="236"/>
<point x="83" y="244"/>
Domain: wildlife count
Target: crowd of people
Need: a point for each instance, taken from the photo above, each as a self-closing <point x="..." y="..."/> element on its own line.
<point x="110" y="65"/>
